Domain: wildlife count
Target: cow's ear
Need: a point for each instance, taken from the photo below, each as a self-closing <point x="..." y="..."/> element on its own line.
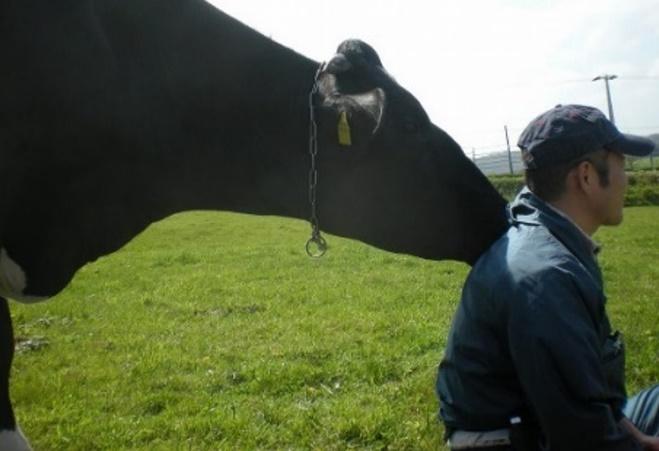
<point x="352" y="119"/>
<point x="352" y="97"/>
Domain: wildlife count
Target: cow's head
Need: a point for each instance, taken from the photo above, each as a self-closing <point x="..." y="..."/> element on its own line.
<point x="390" y="177"/>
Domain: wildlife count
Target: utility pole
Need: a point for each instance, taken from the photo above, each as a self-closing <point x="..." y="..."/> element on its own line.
<point x="606" y="78"/>
<point x="510" y="157"/>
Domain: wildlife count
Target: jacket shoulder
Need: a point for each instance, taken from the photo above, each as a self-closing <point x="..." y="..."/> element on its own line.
<point x="526" y="251"/>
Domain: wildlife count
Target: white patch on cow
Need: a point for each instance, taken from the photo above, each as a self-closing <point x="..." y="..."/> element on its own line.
<point x="13" y="281"/>
<point x="14" y="441"/>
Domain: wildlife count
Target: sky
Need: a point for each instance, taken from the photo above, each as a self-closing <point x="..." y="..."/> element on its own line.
<point x="479" y="65"/>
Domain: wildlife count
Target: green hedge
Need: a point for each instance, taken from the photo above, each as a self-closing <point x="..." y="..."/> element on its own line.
<point x="643" y="187"/>
<point x="507" y="185"/>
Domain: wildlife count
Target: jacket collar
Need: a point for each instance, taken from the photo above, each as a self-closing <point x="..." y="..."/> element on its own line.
<point x="527" y="208"/>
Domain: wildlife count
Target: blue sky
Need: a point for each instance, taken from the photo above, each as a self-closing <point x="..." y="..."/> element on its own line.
<point x="477" y="65"/>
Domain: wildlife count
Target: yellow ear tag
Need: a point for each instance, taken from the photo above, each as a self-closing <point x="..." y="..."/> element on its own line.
<point x="344" y="130"/>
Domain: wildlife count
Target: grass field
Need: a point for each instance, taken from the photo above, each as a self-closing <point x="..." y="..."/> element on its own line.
<point x="216" y="331"/>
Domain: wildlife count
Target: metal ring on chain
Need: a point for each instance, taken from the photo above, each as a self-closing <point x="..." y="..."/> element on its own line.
<point x="320" y="247"/>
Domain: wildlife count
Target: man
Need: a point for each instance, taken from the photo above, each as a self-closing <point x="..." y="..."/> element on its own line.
<point x="531" y="361"/>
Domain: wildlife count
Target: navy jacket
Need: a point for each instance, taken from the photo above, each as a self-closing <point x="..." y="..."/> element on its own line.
<point x="531" y="337"/>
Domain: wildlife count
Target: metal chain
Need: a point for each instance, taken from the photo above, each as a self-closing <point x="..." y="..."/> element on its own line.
<point x="316" y="246"/>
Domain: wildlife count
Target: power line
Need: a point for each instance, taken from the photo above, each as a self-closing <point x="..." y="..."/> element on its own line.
<point x="642" y="127"/>
<point x="554" y="82"/>
<point x="640" y="77"/>
<point x="545" y="82"/>
<point x="491" y="146"/>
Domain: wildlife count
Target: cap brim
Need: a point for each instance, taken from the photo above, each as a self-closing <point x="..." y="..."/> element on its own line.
<point x="636" y="146"/>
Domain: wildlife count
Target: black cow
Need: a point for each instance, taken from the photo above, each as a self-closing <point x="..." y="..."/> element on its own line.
<point x="117" y="113"/>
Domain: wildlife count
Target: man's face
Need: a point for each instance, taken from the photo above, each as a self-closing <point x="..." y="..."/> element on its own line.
<point x="608" y="201"/>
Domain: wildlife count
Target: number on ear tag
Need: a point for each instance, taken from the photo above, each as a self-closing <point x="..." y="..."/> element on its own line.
<point x="344" y="130"/>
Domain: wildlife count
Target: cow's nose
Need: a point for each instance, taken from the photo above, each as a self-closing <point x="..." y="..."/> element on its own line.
<point x="338" y="64"/>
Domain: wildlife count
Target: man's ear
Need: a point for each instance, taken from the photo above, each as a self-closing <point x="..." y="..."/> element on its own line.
<point x="586" y="176"/>
<point x="352" y="96"/>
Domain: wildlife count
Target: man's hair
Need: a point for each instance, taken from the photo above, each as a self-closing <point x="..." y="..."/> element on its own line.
<point x="549" y="183"/>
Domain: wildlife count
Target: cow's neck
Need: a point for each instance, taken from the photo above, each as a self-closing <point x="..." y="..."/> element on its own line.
<point x="257" y="160"/>
<point x="243" y="136"/>
<point x="180" y="108"/>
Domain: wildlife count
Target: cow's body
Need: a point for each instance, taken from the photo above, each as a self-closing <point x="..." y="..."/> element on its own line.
<point x="115" y="114"/>
<point x="121" y="115"/>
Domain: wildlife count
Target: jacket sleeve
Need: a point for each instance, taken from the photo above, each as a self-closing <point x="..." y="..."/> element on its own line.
<point x="557" y="353"/>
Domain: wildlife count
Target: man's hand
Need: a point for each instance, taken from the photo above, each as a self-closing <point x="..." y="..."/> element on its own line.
<point x="650" y="443"/>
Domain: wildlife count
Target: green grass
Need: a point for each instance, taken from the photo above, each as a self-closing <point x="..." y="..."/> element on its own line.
<point x="216" y="331"/>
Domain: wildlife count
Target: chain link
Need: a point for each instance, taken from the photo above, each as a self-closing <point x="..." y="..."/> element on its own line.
<point x="316" y="246"/>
